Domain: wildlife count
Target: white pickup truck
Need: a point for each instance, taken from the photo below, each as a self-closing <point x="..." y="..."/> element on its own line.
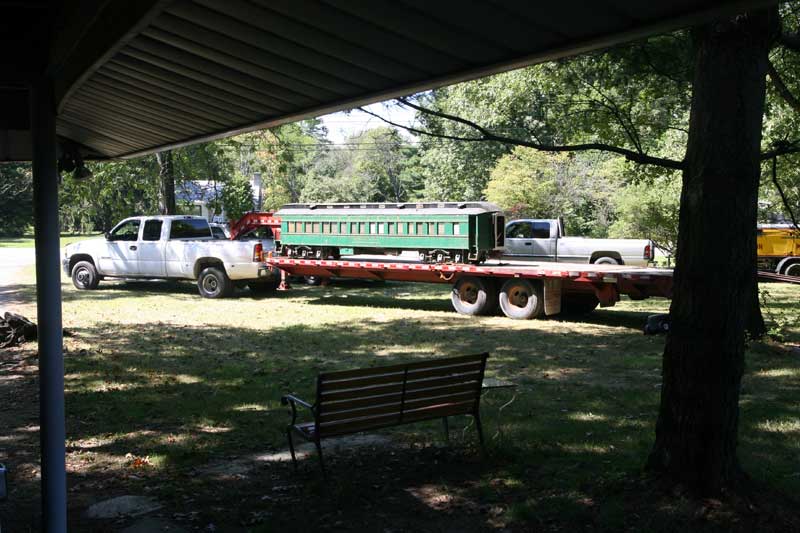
<point x="171" y="247"/>
<point x="544" y="240"/>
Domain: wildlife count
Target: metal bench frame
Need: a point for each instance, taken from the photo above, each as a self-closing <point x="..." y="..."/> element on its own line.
<point x="353" y="401"/>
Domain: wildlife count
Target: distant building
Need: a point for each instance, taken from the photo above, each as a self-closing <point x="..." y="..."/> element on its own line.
<point x="204" y="198"/>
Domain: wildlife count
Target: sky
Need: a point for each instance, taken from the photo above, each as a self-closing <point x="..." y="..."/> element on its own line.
<point x="347" y="123"/>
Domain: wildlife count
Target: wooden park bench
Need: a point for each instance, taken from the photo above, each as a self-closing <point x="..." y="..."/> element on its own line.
<point x="366" y="399"/>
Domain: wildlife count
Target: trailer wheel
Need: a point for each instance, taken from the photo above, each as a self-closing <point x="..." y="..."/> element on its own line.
<point x="520" y="299"/>
<point x="84" y="276"/>
<point x="474" y="296"/>
<point x="213" y="282"/>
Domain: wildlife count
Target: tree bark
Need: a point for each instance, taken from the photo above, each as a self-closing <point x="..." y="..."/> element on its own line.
<point x="166" y="173"/>
<point x="714" y="285"/>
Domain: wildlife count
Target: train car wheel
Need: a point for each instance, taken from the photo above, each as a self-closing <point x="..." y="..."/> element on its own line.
<point x="520" y="299"/>
<point x="474" y="296"/>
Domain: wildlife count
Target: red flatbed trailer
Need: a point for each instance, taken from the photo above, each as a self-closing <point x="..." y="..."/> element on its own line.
<point x="548" y="283"/>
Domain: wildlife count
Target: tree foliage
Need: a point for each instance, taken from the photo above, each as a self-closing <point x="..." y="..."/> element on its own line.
<point x="16" y="199"/>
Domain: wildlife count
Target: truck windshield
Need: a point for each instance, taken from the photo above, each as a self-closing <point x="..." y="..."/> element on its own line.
<point x="189" y="228"/>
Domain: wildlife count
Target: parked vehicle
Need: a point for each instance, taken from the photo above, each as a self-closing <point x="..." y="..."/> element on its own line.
<point x="545" y="240"/>
<point x="219" y="231"/>
<point x="779" y="248"/>
<point x="171" y="247"/>
<point x="440" y="232"/>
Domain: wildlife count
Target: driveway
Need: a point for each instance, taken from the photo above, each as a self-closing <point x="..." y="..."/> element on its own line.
<point x="12" y="260"/>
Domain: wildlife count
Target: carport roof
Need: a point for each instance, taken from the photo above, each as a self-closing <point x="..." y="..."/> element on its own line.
<point x="135" y="77"/>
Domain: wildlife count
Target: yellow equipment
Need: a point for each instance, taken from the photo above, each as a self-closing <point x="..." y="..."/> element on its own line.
<point x="779" y="248"/>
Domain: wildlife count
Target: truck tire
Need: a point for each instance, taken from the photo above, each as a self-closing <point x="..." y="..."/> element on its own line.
<point x="213" y="282"/>
<point x="473" y="295"/>
<point x="84" y="276"/>
<point x="605" y="260"/>
<point x="792" y="269"/>
<point x="520" y="299"/>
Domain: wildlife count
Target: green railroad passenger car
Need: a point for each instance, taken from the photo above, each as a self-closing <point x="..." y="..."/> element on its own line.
<point x="440" y="232"/>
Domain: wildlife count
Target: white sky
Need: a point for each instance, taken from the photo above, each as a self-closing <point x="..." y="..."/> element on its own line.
<point x="347" y="123"/>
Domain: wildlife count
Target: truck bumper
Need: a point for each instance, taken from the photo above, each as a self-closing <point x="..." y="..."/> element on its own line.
<point x="65" y="266"/>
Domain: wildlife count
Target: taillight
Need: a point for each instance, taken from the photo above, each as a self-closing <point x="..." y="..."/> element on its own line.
<point x="258" y="253"/>
<point x="648" y="252"/>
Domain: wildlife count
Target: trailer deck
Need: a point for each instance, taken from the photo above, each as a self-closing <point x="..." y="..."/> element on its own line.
<point x="606" y="282"/>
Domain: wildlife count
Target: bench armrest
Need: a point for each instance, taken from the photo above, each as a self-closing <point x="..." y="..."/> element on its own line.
<point x="291" y="399"/>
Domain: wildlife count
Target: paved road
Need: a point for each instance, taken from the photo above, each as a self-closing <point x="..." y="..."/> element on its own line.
<point x="12" y="260"/>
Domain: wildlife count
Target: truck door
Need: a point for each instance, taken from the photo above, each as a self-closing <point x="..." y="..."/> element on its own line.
<point x="544" y="241"/>
<point x="151" y="250"/>
<point x="519" y="238"/>
<point x="122" y="248"/>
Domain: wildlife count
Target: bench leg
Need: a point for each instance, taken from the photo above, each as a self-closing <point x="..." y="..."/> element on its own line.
<point x="291" y="446"/>
<point x="446" y="426"/>
<point x="321" y="461"/>
<point x="479" y="428"/>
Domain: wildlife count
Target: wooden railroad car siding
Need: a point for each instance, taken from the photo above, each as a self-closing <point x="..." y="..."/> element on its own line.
<point x="469" y="226"/>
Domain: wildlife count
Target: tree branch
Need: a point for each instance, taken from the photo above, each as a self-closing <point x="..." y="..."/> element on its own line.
<point x="783" y="148"/>
<point x="488" y="136"/>
<point x="781" y="87"/>
<point x="783" y="195"/>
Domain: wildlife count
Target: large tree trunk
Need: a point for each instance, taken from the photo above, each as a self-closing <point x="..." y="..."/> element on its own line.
<point x="166" y="200"/>
<point x="696" y="433"/>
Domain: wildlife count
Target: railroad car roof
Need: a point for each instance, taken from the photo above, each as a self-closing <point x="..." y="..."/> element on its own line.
<point x="408" y="208"/>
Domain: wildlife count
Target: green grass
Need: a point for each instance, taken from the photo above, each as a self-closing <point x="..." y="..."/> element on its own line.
<point x="27" y="241"/>
<point x="154" y="371"/>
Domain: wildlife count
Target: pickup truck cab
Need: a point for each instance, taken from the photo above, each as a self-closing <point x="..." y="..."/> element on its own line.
<point x="171" y="247"/>
<point x="544" y="240"/>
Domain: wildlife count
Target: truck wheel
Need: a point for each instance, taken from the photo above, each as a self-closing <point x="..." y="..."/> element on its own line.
<point x="213" y="282"/>
<point x="792" y="269"/>
<point x="474" y="296"/>
<point x="84" y="276"/>
<point x="520" y="299"/>
<point x="578" y="303"/>
<point x="605" y="260"/>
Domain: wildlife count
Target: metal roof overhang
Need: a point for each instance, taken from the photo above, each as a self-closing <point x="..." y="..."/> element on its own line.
<point x="136" y="77"/>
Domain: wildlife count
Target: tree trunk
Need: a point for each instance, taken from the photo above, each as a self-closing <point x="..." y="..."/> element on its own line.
<point x="714" y="286"/>
<point x="166" y="201"/>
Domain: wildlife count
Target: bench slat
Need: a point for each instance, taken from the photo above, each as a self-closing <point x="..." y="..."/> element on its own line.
<point x="396" y="406"/>
<point x="397" y="377"/>
<point x="427" y="413"/>
<point x="358" y="372"/>
<point x="342" y="405"/>
<point x="472" y="378"/>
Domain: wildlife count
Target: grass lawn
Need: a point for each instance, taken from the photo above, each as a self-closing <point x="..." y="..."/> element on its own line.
<point x="28" y="242"/>
<point x="172" y="396"/>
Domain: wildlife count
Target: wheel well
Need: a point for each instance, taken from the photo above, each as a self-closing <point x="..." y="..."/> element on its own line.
<point x="80" y="257"/>
<point x="205" y="262"/>
<point x="614" y="255"/>
<point x="785" y="263"/>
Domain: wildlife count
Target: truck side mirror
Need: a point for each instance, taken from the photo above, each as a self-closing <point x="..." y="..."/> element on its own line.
<point x="108" y="235"/>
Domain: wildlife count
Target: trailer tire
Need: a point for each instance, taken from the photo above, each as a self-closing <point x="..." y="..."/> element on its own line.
<point x="213" y="282"/>
<point x="520" y="299"/>
<point x="472" y="295"/>
<point x="84" y="276"/>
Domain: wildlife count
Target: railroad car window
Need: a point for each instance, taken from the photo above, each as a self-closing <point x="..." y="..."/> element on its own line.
<point x="411" y="228"/>
<point x="326" y="227"/>
<point x="362" y="228"/>
<point x="456" y="229"/>
<point x="401" y="228"/>
<point x="373" y="227"/>
<point x="315" y="227"/>
<point x="442" y="227"/>
<point x="420" y="228"/>
<point x="390" y="226"/>
<point x="431" y="228"/>
<point x="334" y="227"/>
<point x="381" y="228"/>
